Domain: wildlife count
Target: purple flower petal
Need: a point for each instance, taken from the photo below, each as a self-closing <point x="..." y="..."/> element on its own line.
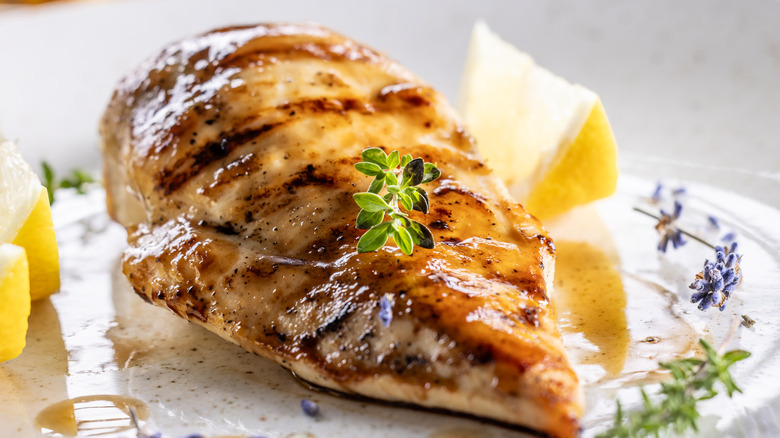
<point x="310" y="408"/>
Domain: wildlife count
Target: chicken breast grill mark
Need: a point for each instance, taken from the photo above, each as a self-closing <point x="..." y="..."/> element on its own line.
<point x="229" y="158"/>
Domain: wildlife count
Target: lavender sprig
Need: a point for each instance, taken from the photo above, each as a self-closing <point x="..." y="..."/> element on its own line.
<point x="668" y="230"/>
<point x="717" y="281"/>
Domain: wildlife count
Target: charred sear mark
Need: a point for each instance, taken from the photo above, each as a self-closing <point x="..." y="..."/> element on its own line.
<point x="308" y="177"/>
<point x="255" y="52"/>
<point x="171" y="179"/>
<point x="322" y="105"/>
<point x="409" y="94"/>
<point x="481" y="354"/>
<point x="449" y="186"/>
<point x="334" y="323"/>
<point x="262" y="269"/>
<point x="335" y="237"/>
<point x="228" y="228"/>
<point x="439" y="225"/>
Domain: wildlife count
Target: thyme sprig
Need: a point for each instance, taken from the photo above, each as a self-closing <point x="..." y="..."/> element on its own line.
<point x="78" y="179"/>
<point x="693" y="380"/>
<point x="401" y="176"/>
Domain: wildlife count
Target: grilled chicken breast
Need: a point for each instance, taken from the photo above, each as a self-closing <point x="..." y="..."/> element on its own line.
<point x="229" y="158"/>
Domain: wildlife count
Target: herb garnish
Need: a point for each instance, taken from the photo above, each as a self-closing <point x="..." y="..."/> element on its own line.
<point x="693" y="380"/>
<point x="386" y="309"/>
<point x="78" y="180"/>
<point x="401" y="188"/>
<point x="309" y="407"/>
<point x="715" y="283"/>
<point x="668" y="230"/>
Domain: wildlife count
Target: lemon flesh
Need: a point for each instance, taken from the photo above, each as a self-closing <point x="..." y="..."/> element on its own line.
<point x="14" y="300"/>
<point x="38" y="239"/>
<point x="549" y="140"/>
<point x="27" y="221"/>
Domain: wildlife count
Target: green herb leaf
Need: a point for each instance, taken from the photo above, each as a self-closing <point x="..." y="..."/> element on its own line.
<point x="421" y="235"/>
<point x="735" y="356"/>
<point x="393" y="160"/>
<point x="406" y="201"/>
<point x="371" y="202"/>
<point x="376" y="156"/>
<point x="375" y="205"/>
<point x="367" y="219"/>
<point x="375" y="238"/>
<point x="413" y="172"/>
<point x="376" y="184"/>
<point x="420" y="200"/>
<point x="431" y="173"/>
<point x="392" y="179"/>
<point x="369" y="169"/>
<point x="403" y="239"/>
<point x="78" y="180"/>
<point x="48" y="180"/>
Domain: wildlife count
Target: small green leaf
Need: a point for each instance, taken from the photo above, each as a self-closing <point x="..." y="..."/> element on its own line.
<point x="403" y="239"/>
<point x="413" y="172"/>
<point x="388" y="197"/>
<point x="393" y="189"/>
<point x="392" y="179"/>
<point x="375" y="238"/>
<point x="420" y="199"/>
<point x="367" y="219"/>
<point x="393" y="160"/>
<point x="431" y="173"/>
<point x="48" y="177"/>
<point x="735" y="356"/>
<point x="406" y="159"/>
<point x="369" y="169"/>
<point x="421" y="235"/>
<point x="376" y="156"/>
<point x="376" y="184"/>
<point x="406" y="201"/>
<point x="371" y="202"/>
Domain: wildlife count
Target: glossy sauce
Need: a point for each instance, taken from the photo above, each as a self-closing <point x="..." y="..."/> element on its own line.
<point x="90" y="416"/>
<point x="591" y="300"/>
<point x="611" y="337"/>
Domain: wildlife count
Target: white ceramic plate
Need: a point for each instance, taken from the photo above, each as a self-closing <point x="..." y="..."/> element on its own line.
<point x="693" y="96"/>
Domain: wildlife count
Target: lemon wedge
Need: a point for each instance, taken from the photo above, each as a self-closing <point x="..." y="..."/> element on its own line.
<point x="27" y="220"/>
<point x="15" y="299"/>
<point x="549" y="140"/>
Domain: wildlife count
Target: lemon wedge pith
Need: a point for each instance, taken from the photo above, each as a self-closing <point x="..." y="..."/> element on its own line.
<point x="27" y="221"/>
<point x="549" y="140"/>
<point x="15" y="299"/>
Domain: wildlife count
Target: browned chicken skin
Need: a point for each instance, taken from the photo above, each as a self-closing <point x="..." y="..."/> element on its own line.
<point x="229" y="158"/>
